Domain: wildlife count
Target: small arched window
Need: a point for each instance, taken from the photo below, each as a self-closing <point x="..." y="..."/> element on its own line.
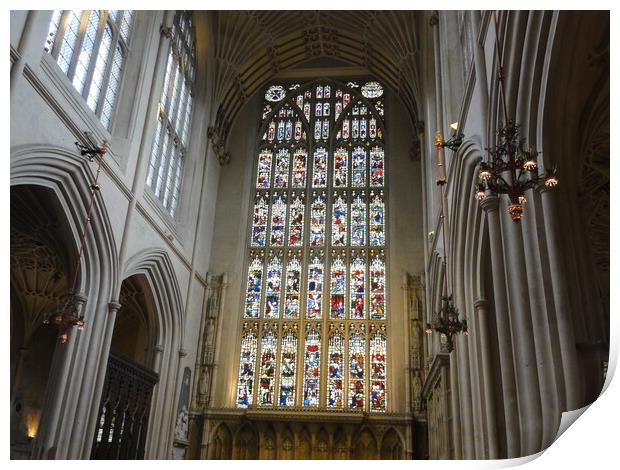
<point x="174" y="115"/>
<point x="91" y="47"/>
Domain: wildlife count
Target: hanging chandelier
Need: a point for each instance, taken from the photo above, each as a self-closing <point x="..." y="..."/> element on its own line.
<point x="512" y="167"/>
<point x="447" y="322"/>
<point x="68" y="313"/>
<point x="512" y="170"/>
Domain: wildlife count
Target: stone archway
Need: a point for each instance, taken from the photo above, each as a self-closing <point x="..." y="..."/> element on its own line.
<point x="41" y="255"/>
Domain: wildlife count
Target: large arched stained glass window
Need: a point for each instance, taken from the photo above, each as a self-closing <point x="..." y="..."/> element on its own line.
<point x="315" y="301"/>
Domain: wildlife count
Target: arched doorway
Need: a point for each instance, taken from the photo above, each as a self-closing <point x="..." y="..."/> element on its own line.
<point x="42" y="251"/>
<point x="122" y="421"/>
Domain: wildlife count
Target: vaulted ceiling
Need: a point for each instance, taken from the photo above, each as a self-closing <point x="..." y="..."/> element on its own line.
<point x="250" y="48"/>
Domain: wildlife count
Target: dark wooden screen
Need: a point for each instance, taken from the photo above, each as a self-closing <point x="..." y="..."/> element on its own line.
<point x="122" y="422"/>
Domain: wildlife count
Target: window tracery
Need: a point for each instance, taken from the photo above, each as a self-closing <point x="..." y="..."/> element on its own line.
<point x="174" y="114"/>
<point x="90" y="47"/>
<point x="316" y="275"/>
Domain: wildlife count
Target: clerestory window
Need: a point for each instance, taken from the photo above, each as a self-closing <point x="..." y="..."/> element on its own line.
<point x="174" y="114"/>
<point x="91" y="47"/>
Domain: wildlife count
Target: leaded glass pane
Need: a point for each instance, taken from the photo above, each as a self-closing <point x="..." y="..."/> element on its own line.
<point x="288" y="362"/>
<point x="357" y="289"/>
<point x="273" y="283"/>
<point x="83" y="62"/>
<point x="315" y="288"/>
<point x="377" y="288"/>
<point x="280" y="179"/>
<point x="69" y="39"/>
<point x="357" y="362"/>
<point x="100" y="68"/>
<point x="267" y="368"/>
<point x="319" y="168"/>
<point x="317" y="219"/>
<point x="247" y="364"/>
<point x="263" y="177"/>
<point x="300" y="158"/>
<point x="339" y="220"/>
<point x="377" y="372"/>
<point x="377" y="209"/>
<point x="338" y="288"/>
<point x="335" y="378"/>
<point x="278" y="219"/>
<point x="293" y="287"/>
<point x="259" y="223"/>
<point x="358" y="219"/>
<point x="254" y="288"/>
<point x="312" y="369"/>
<point x="340" y="167"/>
<point x="296" y="220"/>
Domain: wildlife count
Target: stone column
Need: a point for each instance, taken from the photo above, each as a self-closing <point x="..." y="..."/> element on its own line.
<point x="113" y="308"/>
<point x="490" y="205"/>
<point x="455" y="408"/>
<point x="461" y="354"/>
<point x="473" y="346"/>
<point x="481" y="306"/>
<point x="528" y="386"/>
<point x="573" y="388"/>
<point x="30" y="45"/>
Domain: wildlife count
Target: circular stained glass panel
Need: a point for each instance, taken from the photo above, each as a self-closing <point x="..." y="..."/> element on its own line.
<point x="372" y="90"/>
<point x="275" y="93"/>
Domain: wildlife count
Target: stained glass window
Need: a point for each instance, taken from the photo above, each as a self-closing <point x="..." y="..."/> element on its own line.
<point x="278" y="219"/>
<point x="317" y="219"/>
<point x="358" y="219"/>
<point x="338" y="288"/>
<point x="312" y="368"/>
<point x="272" y="287"/>
<point x="263" y="177"/>
<point x="317" y="278"/>
<point x="259" y="223"/>
<point x="315" y="288"/>
<point x="267" y="367"/>
<point x="174" y="115"/>
<point x="296" y="220"/>
<point x="357" y="362"/>
<point x="253" y="289"/>
<point x="245" y="388"/>
<point x="335" y="377"/>
<point x="358" y="287"/>
<point x="377" y="372"/>
<point x="92" y="56"/>
<point x="288" y="362"/>
<point x="339" y="220"/>
<point x="293" y="287"/>
<point x="377" y="288"/>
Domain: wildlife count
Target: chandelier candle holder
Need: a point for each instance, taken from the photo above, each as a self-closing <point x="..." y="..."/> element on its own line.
<point x="67" y="316"/>
<point x="512" y="170"/>
<point x="68" y="313"/>
<point x="453" y="144"/>
<point x="447" y="322"/>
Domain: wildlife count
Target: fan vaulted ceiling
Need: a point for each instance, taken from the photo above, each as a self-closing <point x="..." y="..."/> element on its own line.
<point x="249" y="48"/>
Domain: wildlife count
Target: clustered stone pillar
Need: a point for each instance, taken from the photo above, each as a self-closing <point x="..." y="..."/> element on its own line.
<point x="481" y="306"/>
<point x="490" y="205"/>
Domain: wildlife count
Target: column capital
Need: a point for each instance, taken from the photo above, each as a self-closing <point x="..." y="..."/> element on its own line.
<point x="490" y="204"/>
<point x="182" y="352"/>
<point x="159" y="348"/>
<point x="481" y="303"/>
<point x="114" y="306"/>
